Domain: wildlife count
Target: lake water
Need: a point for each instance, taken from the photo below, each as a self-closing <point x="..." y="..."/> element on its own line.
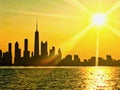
<point x="60" y="78"/>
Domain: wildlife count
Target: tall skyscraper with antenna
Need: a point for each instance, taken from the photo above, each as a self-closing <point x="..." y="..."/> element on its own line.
<point x="36" y="43"/>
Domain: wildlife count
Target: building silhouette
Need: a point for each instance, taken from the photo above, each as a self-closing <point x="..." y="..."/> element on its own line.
<point x="48" y="59"/>
<point x="44" y="47"/>
<point x="10" y="53"/>
<point x="76" y="60"/>
<point x="52" y="51"/>
<point x="10" y="48"/>
<point x="7" y="56"/>
<point x="59" y="54"/>
<point x="26" y="52"/>
<point x="17" y="59"/>
<point x="36" y="43"/>
<point x="0" y="57"/>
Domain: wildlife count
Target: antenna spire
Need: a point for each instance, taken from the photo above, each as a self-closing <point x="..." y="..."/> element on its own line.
<point x="36" y="25"/>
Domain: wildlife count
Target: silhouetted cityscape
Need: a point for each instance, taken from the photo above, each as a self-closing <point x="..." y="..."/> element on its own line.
<point x="45" y="59"/>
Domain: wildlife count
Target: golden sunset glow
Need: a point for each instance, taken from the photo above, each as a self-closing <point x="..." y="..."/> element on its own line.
<point x="65" y="24"/>
<point x="98" y="78"/>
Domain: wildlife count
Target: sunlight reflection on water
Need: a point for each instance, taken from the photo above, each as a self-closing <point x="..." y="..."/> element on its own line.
<point x="77" y="78"/>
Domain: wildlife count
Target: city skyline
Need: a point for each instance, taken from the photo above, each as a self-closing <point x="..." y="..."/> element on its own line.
<point x="59" y="23"/>
<point x="35" y="58"/>
<point x="30" y="58"/>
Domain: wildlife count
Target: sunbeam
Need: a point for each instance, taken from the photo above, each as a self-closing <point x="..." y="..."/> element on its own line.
<point x="79" y="5"/>
<point x="97" y="47"/>
<point x="51" y="61"/>
<point x="42" y="14"/>
<point x="115" y="7"/>
<point x="70" y="44"/>
<point x="114" y="21"/>
<point x="115" y="31"/>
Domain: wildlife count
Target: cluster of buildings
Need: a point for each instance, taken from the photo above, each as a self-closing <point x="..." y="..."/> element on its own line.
<point x="45" y="59"/>
<point x="109" y="61"/>
<point x="30" y="58"/>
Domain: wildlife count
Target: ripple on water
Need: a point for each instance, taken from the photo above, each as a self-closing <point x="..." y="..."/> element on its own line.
<point x="84" y="78"/>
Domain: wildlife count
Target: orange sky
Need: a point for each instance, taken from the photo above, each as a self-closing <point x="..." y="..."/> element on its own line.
<point x="63" y="24"/>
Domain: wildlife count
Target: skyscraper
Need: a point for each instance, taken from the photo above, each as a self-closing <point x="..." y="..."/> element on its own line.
<point x="17" y="54"/>
<point x="0" y="53"/>
<point x="26" y="52"/>
<point x="26" y="45"/>
<point x="59" y="54"/>
<point x="10" y="48"/>
<point x="17" y="51"/>
<point x="7" y="56"/>
<point x="52" y="51"/>
<point x="44" y="52"/>
<point x="10" y="51"/>
<point x="0" y="57"/>
<point x="36" y="43"/>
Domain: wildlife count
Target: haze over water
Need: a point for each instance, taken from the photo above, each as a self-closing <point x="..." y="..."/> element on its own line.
<point x="57" y="78"/>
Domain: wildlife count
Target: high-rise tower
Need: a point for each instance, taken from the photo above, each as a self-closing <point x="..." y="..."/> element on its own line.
<point x="17" y="51"/>
<point x="17" y="60"/>
<point x="25" y="44"/>
<point x="7" y="56"/>
<point x="36" y="43"/>
<point x="0" y="53"/>
<point x="52" y="51"/>
<point x="10" y="51"/>
<point x="10" y="48"/>
<point x="0" y="57"/>
<point x="44" y="52"/>
<point x="59" y="54"/>
<point x="26" y="52"/>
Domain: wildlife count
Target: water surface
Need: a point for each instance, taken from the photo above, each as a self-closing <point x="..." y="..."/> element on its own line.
<point x="57" y="78"/>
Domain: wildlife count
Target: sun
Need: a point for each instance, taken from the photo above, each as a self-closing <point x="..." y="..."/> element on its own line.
<point x="98" y="19"/>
